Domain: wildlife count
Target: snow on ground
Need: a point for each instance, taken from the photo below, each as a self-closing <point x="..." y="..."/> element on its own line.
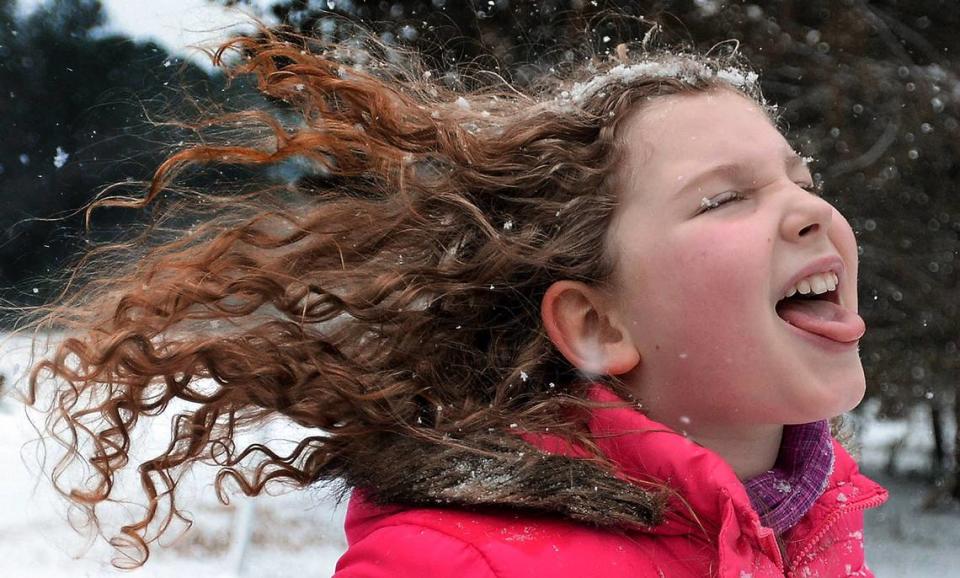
<point x="300" y="533"/>
<point x="903" y="539"/>
<point x="297" y="533"/>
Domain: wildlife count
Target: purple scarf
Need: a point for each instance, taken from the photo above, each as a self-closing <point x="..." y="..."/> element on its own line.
<point x="783" y="495"/>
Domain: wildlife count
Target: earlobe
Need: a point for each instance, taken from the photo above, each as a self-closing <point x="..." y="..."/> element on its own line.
<point x="573" y="317"/>
<point x="624" y="359"/>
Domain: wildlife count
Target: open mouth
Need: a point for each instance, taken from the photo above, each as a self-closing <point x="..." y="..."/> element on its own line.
<point x="813" y="305"/>
<point x="829" y="295"/>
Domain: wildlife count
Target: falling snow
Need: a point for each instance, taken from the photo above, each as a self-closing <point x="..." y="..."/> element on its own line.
<point x="60" y="158"/>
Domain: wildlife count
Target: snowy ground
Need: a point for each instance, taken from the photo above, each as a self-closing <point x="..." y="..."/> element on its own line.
<point x="903" y="539"/>
<point x="913" y="534"/>
<point x="300" y="533"/>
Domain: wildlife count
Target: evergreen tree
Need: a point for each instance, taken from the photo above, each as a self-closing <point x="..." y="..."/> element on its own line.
<point x="74" y="102"/>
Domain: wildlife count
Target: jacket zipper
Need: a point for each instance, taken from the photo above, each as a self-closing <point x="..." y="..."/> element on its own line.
<point x="831" y="520"/>
<point x="766" y="534"/>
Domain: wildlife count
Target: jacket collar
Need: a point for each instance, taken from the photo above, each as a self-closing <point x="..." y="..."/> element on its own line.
<point x="705" y="488"/>
<point x="702" y="485"/>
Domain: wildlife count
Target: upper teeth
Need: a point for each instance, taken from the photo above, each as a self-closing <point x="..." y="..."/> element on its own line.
<point x="817" y="283"/>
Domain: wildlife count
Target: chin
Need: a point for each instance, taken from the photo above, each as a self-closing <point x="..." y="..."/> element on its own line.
<point x="828" y="398"/>
<point x="839" y="397"/>
<point x="856" y="387"/>
<point x="856" y="397"/>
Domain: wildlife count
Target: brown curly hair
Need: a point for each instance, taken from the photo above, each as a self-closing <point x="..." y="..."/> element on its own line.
<point x="391" y="290"/>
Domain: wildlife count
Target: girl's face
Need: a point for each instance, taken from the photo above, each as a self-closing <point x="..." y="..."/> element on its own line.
<point x="716" y="225"/>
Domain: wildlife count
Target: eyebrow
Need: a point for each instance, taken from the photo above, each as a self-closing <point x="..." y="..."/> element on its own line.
<point x="791" y="161"/>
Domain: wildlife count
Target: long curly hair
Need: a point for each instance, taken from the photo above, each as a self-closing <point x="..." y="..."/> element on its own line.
<point x="391" y="288"/>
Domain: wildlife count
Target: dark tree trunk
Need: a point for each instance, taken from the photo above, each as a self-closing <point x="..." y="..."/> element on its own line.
<point x="939" y="448"/>
<point x="956" y="443"/>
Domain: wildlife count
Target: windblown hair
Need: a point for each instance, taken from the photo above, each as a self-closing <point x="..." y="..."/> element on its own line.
<point x="387" y="299"/>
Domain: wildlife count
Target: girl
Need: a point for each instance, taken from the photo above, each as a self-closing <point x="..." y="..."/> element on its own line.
<point x="593" y="327"/>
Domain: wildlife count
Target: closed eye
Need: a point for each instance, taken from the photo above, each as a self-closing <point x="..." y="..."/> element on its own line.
<point x="708" y="204"/>
<point x="721" y="199"/>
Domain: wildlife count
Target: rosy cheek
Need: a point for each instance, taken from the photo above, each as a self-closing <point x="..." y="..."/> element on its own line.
<point x="714" y="265"/>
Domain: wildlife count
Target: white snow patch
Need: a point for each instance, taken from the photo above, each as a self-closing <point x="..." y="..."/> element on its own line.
<point x="623" y="74"/>
<point x="737" y="78"/>
<point x="783" y="486"/>
<point x="683" y="70"/>
<point x="177" y="25"/>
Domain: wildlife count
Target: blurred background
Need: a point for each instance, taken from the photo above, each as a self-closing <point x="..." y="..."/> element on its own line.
<point x="869" y="90"/>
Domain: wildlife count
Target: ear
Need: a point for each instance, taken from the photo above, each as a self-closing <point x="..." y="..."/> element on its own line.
<point x="589" y="336"/>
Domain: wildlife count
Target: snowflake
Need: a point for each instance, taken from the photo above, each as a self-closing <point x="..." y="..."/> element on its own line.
<point x="60" y="158"/>
<point x="783" y="487"/>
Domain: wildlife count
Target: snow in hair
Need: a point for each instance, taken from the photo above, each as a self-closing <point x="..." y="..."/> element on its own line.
<point x="685" y="70"/>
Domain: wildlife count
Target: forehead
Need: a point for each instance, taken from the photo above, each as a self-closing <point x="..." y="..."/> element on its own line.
<point x="687" y="109"/>
<point x="678" y="135"/>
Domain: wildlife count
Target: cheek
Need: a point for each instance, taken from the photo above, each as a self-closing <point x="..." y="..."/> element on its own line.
<point x="712" y="284"/>
<point x="718" y="266"/>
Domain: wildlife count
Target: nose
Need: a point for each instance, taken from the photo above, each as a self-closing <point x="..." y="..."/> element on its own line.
<point x="806" y="216"/>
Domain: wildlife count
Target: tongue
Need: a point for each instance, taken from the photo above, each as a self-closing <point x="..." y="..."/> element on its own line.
<point x="823" y="318"/>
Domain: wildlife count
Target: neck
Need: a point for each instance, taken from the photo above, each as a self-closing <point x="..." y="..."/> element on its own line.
<point x="750" y="451"/>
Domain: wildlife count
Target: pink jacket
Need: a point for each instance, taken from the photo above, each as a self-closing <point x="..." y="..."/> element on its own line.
<point x="717" y="534"/>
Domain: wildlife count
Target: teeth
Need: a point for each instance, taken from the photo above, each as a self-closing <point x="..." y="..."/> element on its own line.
<point x="817" y="284"/>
